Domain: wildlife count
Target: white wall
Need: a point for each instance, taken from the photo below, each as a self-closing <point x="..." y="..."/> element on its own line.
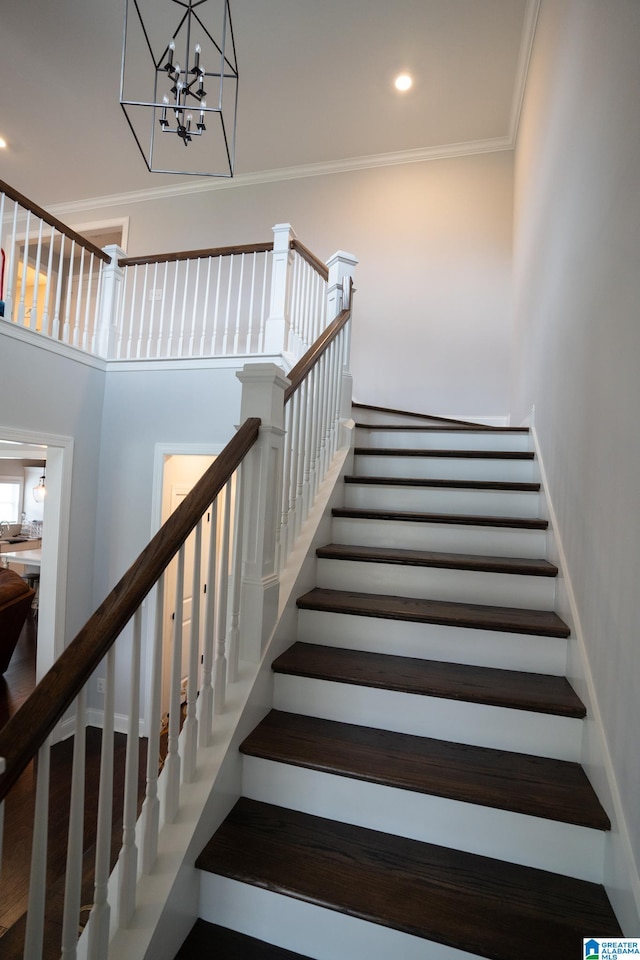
<point x="434" y="244"/>
<point x="576" y="350"/>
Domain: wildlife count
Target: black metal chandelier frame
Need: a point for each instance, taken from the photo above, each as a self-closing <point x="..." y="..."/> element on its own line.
<point x="187" y="91"/>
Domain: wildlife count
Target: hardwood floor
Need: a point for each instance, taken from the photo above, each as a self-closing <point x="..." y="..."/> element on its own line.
<point x="15" y="687"/>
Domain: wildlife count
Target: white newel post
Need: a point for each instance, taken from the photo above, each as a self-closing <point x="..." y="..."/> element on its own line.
<point x="341" y="269"/>
<point x="276" y="334"/>
<point x="107" y="315"/>
<point x="263" y="387"/>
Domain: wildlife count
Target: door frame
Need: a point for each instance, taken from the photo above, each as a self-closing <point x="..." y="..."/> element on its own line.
<point x="55" y="542"/>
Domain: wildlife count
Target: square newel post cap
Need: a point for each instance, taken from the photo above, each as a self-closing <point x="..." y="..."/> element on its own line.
<point x="263" y="387"/>
<point x="340" y="256"/>
<point x="283" y="234"/>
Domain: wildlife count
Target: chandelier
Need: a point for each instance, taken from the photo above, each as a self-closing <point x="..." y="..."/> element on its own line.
<point x="179" y="85"/>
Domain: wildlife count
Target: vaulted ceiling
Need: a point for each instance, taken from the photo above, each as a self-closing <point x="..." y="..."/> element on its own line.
<point x="315" y="94"/>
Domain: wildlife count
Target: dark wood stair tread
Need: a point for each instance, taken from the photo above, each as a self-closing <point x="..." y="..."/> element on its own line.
<point x="504" y="485"/>
<point x="536" y="786"/>
<point x="463" y="519"/>
<point x="211" y="940"/>
<point x="440" y="428"/>
<point x="473" y="903"/>
<point x="472" y="615"/>
<point x="448" y="454"/>
<point x="431" y="558"/>
<point x="512" y="689"/>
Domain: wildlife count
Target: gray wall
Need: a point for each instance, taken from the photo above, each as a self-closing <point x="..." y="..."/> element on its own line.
<point x="576" y="350"/>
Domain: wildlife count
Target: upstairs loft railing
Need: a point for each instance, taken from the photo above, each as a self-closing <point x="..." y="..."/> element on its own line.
<point x="266" y="298"/>
<point x="268" y="474"/>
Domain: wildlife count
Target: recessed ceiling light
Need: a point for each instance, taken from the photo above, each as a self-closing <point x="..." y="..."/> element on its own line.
<point x="3" y="143"/>
<point x="403" y="82"/>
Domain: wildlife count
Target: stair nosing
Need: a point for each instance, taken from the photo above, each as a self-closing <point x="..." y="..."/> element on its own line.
<point x="516" y="486"/>
<point x="441" y="428"/>
<point x="445" y="454"/>
<point x="459" y="519"/>
<point x="483" y="563"/>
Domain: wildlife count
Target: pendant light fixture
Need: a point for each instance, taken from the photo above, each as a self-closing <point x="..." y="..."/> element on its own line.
<point x="40" y="491"/>
<point x="179" y="85"/>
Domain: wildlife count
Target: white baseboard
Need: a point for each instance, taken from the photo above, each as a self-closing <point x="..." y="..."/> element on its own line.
<point x="621" y="876"/>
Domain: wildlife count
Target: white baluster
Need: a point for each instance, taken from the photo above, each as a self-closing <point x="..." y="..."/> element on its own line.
<point x="225" y="336"/>
<point x="133" y="312"/>
<point x="195" y="308"/>
<point x="205" y="701"/>
<point x="283" y="543"/>
<point x="205" y="309"/>
<point x="55" y="332"/>
<point x="34" y="933"/>
<point x="183" y="316"/>
<point x="263" y="315"/>
<point x="236" y="334"/>
<point x="152" y="313"/>
<point x="151" y="805"/>
<point x="220" y="672"/>
<point x="214" y="332"/>
<point x="87" y="308"/>
<point x="99" y="918"/>
<point x="190" y="733"/>
<point x="141" y="313"/>
<point x="234" y="630"/>
<point x="172" y="315"/>
<point x="172" y="763"/>
<point x="302" y="436"/>
<point x="9" y="299"/>
<point x="25" y="264"/>
<point x="95" y="342"/>
<point x="252" y="289"/>
<point x="33" y="318"/>
<point x="295" y="456"/>
<point x="76" y="319"/>
<point x="128" y="858"/>
<point x="163" y="301"/>
<point x="73" y="874"/>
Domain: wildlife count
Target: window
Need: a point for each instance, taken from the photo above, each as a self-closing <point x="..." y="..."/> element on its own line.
<point x="10" y="496"/>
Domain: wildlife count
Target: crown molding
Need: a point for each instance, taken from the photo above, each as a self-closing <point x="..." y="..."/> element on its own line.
<point x="522" y="69"/>
<point x="205" y="185"/>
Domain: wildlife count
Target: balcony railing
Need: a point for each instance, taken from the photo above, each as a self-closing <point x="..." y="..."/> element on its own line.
<point x="242" y="301"/>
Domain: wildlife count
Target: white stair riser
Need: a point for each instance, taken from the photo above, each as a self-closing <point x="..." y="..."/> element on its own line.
<point x="450" y="537"/>
<point x="478" y="724"/>
<point x="517" y="838"/>
<point x="497" y="503"/>
<point x="286" y="922"/>
<point x="445" y="468"/>
<point x="442" y="439"/>
<point x="466" y="586"/>
<point x="432" y="641"/>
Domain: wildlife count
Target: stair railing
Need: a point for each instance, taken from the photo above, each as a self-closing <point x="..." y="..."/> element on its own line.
<point x="242" y="301"/>
<point x="249" y="510"/>
<point x="52" y="277"/>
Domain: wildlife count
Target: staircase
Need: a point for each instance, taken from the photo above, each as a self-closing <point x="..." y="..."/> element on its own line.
<point x="416" y="791"/>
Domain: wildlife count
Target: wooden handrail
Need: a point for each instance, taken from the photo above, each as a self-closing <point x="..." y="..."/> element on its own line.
<point x="196" y="254"/>
<point x="26" y="731"/>
<point x="53" y="222"/>
<point x="311" y="259"/>
<point x="303" y="367"/>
